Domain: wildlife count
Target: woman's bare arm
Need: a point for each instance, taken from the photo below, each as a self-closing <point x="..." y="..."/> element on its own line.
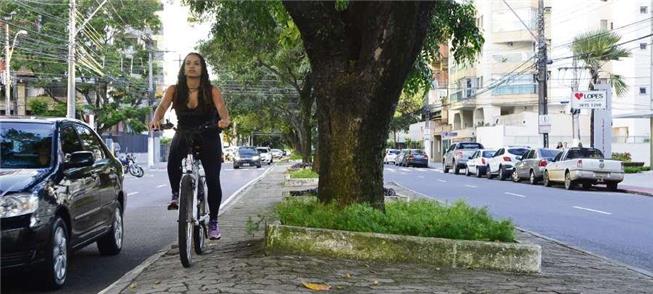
<point x="225" y="120"/>
<point x="162" y="108"/>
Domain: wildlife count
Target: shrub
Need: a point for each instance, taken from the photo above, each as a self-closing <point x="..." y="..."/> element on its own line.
<point x="304" y="173"/>
<point x="621" y="156"/>
<point x="416" y="218"/>
<point x="636" y="169"/>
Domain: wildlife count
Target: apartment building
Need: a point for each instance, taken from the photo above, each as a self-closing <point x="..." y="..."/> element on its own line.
<point x="494" y="101"/>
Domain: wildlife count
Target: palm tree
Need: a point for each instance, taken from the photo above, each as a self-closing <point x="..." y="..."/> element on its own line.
<point x="596" y="49"/>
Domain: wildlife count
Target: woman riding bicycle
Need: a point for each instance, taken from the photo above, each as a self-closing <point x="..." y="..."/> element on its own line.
<point x="196" y="102"/>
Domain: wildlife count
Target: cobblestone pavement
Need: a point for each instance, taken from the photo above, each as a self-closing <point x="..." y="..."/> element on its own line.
<point x="237" y="264"/>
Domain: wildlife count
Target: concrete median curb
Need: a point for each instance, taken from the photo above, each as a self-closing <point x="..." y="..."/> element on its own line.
<point x="301" y="182"/>
<point x="510" y="257"/>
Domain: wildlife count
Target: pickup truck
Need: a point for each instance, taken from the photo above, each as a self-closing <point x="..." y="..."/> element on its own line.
<point x="457" y="155"/>
<point x="584" y="166"/>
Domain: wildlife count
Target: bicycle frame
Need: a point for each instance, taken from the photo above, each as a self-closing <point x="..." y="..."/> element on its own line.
<point x="192" y="168"/>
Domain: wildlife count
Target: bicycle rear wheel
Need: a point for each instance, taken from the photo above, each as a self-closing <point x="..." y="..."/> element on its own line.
<point x="185" y="222"/>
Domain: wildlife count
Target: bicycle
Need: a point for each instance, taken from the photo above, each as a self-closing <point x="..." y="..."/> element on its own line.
<point x="192" y="224"/>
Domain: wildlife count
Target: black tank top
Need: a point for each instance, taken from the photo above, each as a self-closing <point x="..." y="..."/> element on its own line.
<point x="195" y="117"/>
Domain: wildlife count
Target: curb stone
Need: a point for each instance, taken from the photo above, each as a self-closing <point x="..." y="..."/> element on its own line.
<point x="127" y="279"/>
<point x="632" y="268"/>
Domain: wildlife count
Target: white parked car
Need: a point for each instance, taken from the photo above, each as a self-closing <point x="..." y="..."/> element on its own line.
<point x="266" y="155"/>
<point x="478" y="163"/>
<point x="277" y="153"/>
<point x="584" y="166"/>
<point x="504" y="160"/>
<point x="390" y="155"/>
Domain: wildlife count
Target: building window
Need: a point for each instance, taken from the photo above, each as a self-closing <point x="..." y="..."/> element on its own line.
<point x="642" y="46"/>
<point x="642" y="90"/>
<point x="643" y="9"/>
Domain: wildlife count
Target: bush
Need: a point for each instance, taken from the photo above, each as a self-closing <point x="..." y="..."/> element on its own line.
<point x="416" y="218"/>
<point x="621" y="156"/>
<point x="636" y="169"/>
<point x="304" y="173"/>
<point x="295" y="156"/>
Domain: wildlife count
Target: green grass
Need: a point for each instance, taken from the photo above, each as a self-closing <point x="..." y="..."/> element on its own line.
<point x="304" y="173"/>
<point x="636" y="169"/>
<point x="295" y="156"/>
<point x="415" y="218"/>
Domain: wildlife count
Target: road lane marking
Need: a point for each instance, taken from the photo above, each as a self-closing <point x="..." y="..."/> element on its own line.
<point x="390" y="170"/>
<point x="132" y="193"/>
<point x="592" y="210"/>
<point x="441" y="181"/>
<point x="515" y="194"/>
<point x="405" y="169"/>
<point x="161" y="186"/>
<point x="471" y="186"/>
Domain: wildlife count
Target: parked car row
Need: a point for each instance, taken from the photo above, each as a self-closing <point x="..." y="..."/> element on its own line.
<point x="573" y="167"/>
<point x="252" y="156"/>
<point x="406" y="157"/>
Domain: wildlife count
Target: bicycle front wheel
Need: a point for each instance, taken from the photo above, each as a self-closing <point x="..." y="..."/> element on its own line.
<point x="185" y="222"/>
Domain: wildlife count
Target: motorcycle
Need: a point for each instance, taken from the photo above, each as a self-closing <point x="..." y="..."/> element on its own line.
<point x="129" y="165"/>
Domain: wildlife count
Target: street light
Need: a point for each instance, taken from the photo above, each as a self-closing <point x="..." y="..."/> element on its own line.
<point x="9" y="50"/>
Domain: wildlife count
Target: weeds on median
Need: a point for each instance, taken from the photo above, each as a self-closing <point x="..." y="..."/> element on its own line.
<point x="304" y="173"/>
<point x="416" y="218"/>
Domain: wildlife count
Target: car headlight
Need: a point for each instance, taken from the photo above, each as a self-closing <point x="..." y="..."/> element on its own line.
<point x="255" y="158"/>
<point x="18" y="204"/>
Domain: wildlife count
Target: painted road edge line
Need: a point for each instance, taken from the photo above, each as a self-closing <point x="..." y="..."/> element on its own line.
<point x="441" y="181"/>
<point x="592" y="210"/>
<point x="471" y="186"/>
<point x="514" y="194"/>
<point x="132" y="193"/>
<point x="418" y="193"/>
<point x="124" y="281"/>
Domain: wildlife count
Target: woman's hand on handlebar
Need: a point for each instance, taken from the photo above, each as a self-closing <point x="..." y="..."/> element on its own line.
<point x="155" y="125"/>
<point x="224" y="123"/>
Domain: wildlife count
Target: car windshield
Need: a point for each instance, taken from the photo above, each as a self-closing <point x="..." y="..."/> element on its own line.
<point x="247" y="151"/>
<point x="584" y="153"/>
<point x="549" y="153"/>
<point x="418" y="152"/>
<point x="470" y="146"/>
<point x="517" y="151"/>
<point x="26" y="145"/>
<point x="395" y="152"/>
<point x="488" y="153"/>
<point x="262" y="150"/>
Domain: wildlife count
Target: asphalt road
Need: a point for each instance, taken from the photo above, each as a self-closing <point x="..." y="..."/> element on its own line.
<point x="149" y="227"/>
<point x="611" y="224"/>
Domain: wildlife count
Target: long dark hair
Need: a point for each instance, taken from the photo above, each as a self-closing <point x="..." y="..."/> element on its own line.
<point x="181" y="90"/>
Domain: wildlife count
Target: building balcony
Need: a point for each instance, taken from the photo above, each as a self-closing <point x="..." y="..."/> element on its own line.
<point x="522" y="89"/>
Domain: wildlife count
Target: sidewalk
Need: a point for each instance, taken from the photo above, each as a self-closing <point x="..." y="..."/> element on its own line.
<point x="237" y="264"/>
<point x="639" y="183"/>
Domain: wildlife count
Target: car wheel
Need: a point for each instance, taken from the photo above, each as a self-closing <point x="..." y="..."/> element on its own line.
<point x="56" y="264"/>
<point x="546" y="182"/>
<point x="445" y="168"/>
<point x="467" y="173"/>
<point x="569" y="184"/>
<point x="111" y="243"/>
<point x="515" y="177"/>
<point x="502" y="174"/>
<point x="478" y="172"/>
<point x="531" y="178"/>
<point x="456" y="170"/>
<point x="258" y="166"/>
<point x="488" y="173"/>
<point x="612" y="186"/>
<point x="587" y="186"/>
<point x="236" y="166"/>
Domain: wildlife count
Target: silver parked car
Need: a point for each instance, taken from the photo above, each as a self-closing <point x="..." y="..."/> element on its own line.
<point x="457" y="155"/>
<point x="533" y="163"/>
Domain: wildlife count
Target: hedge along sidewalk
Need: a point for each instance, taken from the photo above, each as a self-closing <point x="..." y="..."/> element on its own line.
<point x="300" y="182"/>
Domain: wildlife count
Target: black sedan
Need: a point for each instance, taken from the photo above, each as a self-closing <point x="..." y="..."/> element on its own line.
<point x="60" y="190"/>
<point x="247" y="156"/>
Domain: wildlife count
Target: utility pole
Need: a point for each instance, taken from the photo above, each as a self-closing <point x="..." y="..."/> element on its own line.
<point x="150" y="94"/>
<point x="7" y="65"/>
<point x="650" y="90"/>
<point x="575" y="123"/>
<point x="542" y="72"/>
<point x="70" y="113"/>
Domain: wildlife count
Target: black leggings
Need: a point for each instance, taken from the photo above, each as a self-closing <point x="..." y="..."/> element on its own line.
<point x="211" y="157"/>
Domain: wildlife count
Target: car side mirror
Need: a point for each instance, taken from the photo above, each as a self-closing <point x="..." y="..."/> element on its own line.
<point x="519" y="158"/>
<point x="79" y="159"/>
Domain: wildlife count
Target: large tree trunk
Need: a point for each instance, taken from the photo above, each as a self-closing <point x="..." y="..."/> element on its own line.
<point x="360" y="58"/>
<point x="306" y="100"/>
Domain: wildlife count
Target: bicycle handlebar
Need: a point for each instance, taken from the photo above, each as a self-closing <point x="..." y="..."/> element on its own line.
<point x="207" y="126"/>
